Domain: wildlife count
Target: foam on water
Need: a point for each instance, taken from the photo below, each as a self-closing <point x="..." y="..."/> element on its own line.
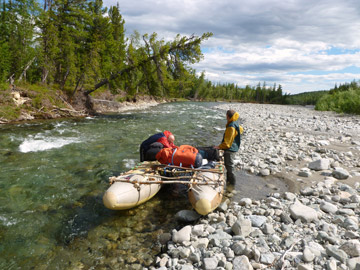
<point x="6" y="221"/>
<point x="129" y="163"/>
<point x="43" y="144"/>
<point x="219" y="128"/>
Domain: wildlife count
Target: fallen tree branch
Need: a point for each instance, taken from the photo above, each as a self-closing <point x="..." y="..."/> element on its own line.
<point x="23" y="74"/>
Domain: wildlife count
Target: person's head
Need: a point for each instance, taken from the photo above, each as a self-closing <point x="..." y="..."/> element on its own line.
<point x="171" y="138"/>
<point x="230" y="114"/>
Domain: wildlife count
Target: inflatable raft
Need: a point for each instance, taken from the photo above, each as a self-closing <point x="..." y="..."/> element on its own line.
<point x="206" y="198"/>
<point x="132" y="188"/>
<point x="205" y="185"/>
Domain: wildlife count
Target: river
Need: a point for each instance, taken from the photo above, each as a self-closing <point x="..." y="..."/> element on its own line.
<point x="53" y="176"/>
<point x="54" y="173"/>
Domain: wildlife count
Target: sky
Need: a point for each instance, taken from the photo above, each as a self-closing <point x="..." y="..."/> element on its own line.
<point x="304" y="45"/>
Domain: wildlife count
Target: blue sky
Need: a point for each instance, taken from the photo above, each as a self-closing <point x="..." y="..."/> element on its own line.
<point x="304" y="45"/>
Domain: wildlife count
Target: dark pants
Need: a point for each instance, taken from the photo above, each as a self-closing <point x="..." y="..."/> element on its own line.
<point x="149" y="154"/>
<point x="229" y="160"/>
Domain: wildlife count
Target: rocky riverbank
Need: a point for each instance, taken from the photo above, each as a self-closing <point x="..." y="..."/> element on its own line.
<point x="315" y="226"/>
<point x="22" y="104"/>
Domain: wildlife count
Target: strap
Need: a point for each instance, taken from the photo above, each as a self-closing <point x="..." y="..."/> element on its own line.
<point x="172" y="158"/>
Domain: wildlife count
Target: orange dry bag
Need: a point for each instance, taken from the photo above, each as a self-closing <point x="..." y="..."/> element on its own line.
<point x="184" y="155"/>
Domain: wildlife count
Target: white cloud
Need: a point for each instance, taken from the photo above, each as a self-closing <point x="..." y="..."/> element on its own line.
<point x="286" y="42"/>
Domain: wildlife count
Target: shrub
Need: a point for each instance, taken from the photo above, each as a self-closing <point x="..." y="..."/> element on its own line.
<point x="341" y="102"/>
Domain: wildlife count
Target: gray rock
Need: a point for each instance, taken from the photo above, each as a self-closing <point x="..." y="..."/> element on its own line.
<point x="194" y="257"/>
<point x="163" y="261"/>
<point x="245" y="202"/>
<point x="289" y="196"/>
<point x="164" y="238"/>
<point x="265" y="172"/>
<point x="328" y="207"/>
<point x="241" y="263"/>
<point x="352" y="235"/>
<point x="331" y="264"/>
<point x="220" y="235"/>
<point x="305" y="267"/>
<point x="198" y="230"/>
<point x="317" y="249"/>
<point x="346" y="212"/>
<point x="307" y="191"/>
<point x="285" y="218"/>
<point x="238" y="248"/>
<point x="182" y="235"/>
<point x="187" y="267"/>
<point x="210" y="263"/>
<point x="351" y="263"/>
<point x="257" y="221"/>
<point x="352" y="248"/>
<point x="268" y="229"/>
<point x="308" y="254"/>
<point x="350" y="224"/>
<point x="340" y="173"/>
<point x="184" y="253"/>
<point x="267" y="258"/>
<point x="303" y="212"/>
<point x="319" y="165"/>
<point x="222" y="207"/>
<point x="187" y="216"/>
<point x="201" y="243"/>
<point x="304" y="172"/>
<point x="337" y="253"/>
<point x="242" y="227"/>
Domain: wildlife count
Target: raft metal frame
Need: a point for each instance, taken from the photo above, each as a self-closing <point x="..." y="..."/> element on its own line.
<point x="153" y="173"/>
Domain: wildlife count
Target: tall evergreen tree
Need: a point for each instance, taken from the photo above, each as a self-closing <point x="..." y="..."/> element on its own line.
<point x="5" y="56"/>
<point x="49" y="40"/>
<point x="116" y="47"/>
<point x="18" y="26"/>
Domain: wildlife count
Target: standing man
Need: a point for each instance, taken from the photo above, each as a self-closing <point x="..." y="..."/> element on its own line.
<point x="230" y="144"/>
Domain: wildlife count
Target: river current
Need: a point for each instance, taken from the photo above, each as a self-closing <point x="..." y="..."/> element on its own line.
<point x="53" y="175"/>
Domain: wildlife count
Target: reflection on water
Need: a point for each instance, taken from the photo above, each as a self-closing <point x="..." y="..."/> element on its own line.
<point x="53" y="176"/>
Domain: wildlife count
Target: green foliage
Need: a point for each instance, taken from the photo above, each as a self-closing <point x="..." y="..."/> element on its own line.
<point x="306" y="98"/>
<point x="78" y="44"/>
<point x="344" y="99"/>
<point x="4" y="86"/>
<point x="206" y="90"/>
<point x="9" y="112"/>
<point x="8" y="109"/>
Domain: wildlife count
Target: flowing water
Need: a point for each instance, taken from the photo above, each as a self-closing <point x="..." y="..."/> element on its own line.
<point x="53" y="175"/>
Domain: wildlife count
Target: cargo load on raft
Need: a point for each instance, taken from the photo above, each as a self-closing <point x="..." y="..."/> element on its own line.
<point x="205" y="182"/>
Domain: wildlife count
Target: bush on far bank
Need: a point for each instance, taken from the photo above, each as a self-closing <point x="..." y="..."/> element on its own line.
<point x="341" y="102"/>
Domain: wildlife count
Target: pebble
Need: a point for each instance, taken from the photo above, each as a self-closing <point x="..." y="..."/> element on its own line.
<point x="310" y="238"/>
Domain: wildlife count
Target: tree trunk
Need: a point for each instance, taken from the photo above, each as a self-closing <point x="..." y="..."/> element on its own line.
<point x="23" y="74"/>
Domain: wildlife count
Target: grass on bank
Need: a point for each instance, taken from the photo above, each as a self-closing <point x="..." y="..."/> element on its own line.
<point x="8" y="109"/>
<point x="39" y="99"/>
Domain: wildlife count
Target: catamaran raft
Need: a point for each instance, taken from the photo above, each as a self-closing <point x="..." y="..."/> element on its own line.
<point x="205" y="185"/>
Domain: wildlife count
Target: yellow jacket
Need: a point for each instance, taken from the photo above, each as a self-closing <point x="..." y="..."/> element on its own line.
<point x="230" y="132"/>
